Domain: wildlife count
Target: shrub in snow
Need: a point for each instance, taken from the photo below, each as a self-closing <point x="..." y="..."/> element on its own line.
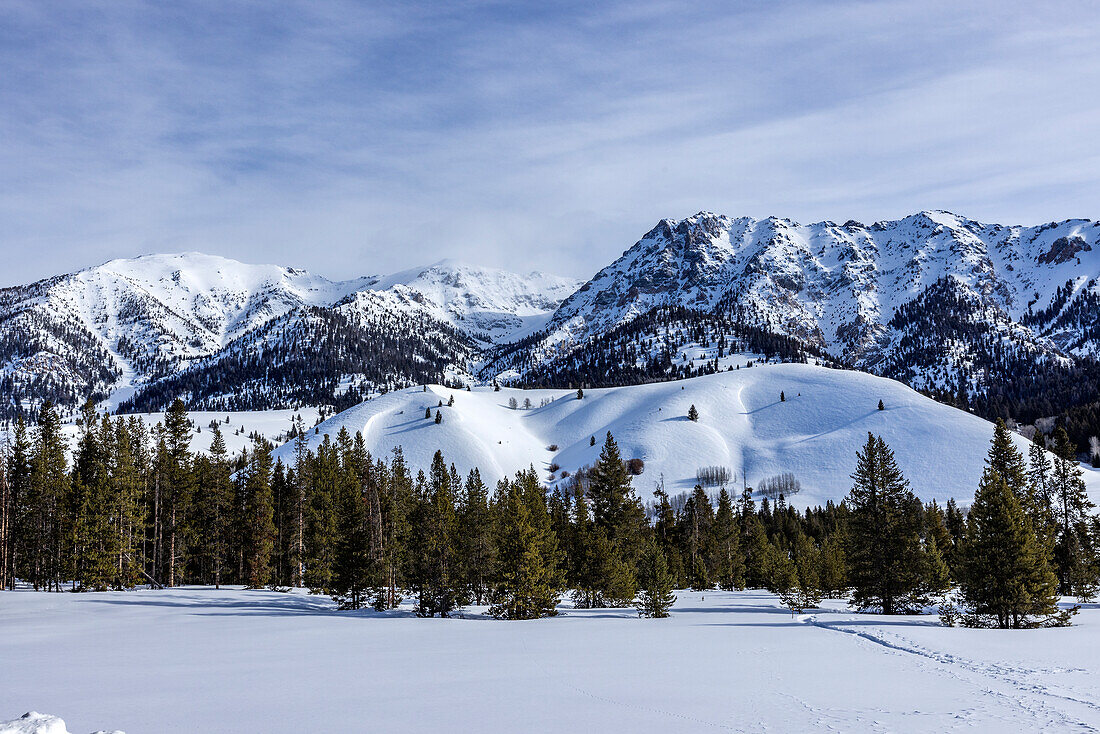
<point x="635" y="466"/>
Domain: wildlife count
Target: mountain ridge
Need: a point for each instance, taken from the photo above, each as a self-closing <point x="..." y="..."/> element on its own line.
<point x="964" y="310"/>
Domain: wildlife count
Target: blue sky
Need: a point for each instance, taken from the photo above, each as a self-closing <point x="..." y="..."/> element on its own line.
<point x="354" y="138"/>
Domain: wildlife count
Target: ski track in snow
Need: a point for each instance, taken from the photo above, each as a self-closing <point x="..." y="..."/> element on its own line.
<point x="1029" y="697"/>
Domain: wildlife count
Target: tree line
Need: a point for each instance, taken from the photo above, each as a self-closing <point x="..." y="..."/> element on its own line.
<point x="136" y="506"/>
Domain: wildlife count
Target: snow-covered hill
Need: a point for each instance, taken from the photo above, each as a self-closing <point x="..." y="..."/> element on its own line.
<point x="743" y="425"/>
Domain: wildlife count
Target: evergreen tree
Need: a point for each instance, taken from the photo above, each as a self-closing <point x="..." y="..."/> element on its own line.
<point x="1007" y="461"/>
<point x="22" y="534"/>
<point x="655" y="598"/>
<point x="886" y="564"/>
<point x="1005" y="578"/>
<point x="320" y="516"/>
<point x="48" y="492"/>
<point x="730" y="566"/>
<point x="352" y="563"/>
<point x="435" y="573"/>
<point x="475" y="534"/>
<point x="530" y="579"/>
<point x="793" y="576"/>
<point x="756" y="547"/>
<point x="833" y="571"/>
<point x="258" y="515"/>
<point x="698" y="536"/>
<point x="1071" y="506"/>
<point x="619" y="519"/>
<point x="175" y="483"/>
<point x="693" y="414"/>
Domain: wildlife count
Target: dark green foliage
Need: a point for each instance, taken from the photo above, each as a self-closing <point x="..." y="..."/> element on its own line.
<point x="435" y="571"/>
<point x="258" y="517"/>
<point x="530" y="580"/>
<point x="1070" y="506"/>
<point x="354" y="565"/>
<point x="729" y="564"/>
<point x="693" y="414"/>
<point x="475" y="524"/>
<point x="1005" y="578"/>
<point x="655" y="598"/>
<point x="793" y="575"/>
<point x="887" y="566"/>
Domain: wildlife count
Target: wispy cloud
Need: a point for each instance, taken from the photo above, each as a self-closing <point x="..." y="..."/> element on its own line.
<point x="351" y="138"/>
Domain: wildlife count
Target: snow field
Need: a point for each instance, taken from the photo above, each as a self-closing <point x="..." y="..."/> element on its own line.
<point x="199" y="659"/>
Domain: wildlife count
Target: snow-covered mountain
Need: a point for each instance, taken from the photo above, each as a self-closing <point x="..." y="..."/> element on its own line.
<point x="493" y="306"/>
<point x="1008" y="315"/>
<point x="873" y="296"/>
<point x="127" y="326"/>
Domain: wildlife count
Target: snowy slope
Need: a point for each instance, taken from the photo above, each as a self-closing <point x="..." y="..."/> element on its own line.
<point x="190" y="660"/>
<point x="743" y="425"/>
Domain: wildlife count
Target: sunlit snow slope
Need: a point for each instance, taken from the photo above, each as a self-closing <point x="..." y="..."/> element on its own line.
<point x="743" y="425"/>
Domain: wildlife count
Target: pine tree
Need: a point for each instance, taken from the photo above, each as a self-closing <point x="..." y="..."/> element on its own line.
<point x="1007" y="461"/>
<point x="435" y="573"/>
<point x="886" y="563"/>
<point x="396" y="503"/>
<point x="91" y="506"/>
<point x="782" y="397"/>
<point x="49" y="491"/>
<point x="475" y="534"/>
<point x="1005" y="578"/>
<point x="881" y="405"/>
<point x="258" y="516"/>
<point x="22" y="533"/>
<point x="580" y="396"/>
<point x="1038" y="501"/>
<point x="793" y="576"/>
<point x="698" y="535"/>
<point x="730" y="566"/>
<point x="693" y="414"/>
<point x="1071" y="506"/>
<point x="176" y="482"/>
<point x="756" y="547"/>
<point x="530" y="579"/>
<point x="655" y="598"/>
<point x="833" y="571"/>
<point x="619" y="518"/>
<point x="352" y="564"/>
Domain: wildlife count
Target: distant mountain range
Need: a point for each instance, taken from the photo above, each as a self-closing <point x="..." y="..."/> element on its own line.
<point x="1005" y="319"/>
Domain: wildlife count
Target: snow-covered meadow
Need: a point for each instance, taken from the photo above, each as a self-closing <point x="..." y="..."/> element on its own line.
<point x="204" y="660"/>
